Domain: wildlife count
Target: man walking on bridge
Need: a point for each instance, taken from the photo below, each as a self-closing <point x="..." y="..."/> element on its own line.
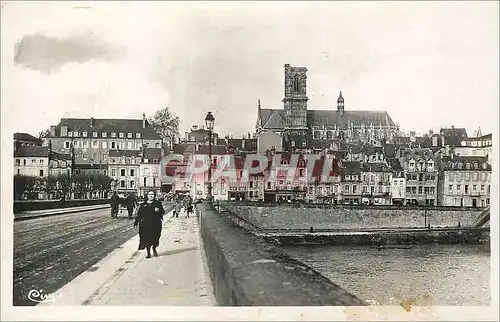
<point x="115" y="201"/>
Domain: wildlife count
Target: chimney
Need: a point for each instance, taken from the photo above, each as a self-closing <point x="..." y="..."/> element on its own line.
<point x="431" y="133"/>
<point x="249" y="137"/>
<point x="243" y="144"/>
<point x="143" y="120"/>
<point x="91" y="122"/>
<point x="64" y="130"/>
<point x="186" y="136"/>
<point x="50" y="147"/>
<point x="52" y="130"/>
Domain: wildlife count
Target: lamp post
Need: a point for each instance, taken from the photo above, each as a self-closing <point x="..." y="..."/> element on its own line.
<point x="209" y="122"/>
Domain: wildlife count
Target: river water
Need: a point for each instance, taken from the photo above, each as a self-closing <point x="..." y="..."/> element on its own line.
<point x="424" y="274"/>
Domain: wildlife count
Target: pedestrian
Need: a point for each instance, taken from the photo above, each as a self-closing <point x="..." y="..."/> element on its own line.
<point x="149" y="219"/>
<point x="115" y="202"/>
<point x="178" y="208"/>
<point x="131" y="203"/>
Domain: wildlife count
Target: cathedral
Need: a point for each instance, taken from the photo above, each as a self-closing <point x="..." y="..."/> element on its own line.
<point x="302" y="128"/>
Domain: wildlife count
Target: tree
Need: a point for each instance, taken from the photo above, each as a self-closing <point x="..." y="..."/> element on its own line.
<point x="43" y="134"/>
<point x="22" y="185"/>
<point x="166" y="123"/>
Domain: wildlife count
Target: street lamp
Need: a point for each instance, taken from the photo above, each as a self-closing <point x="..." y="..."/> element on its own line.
<point x="209" y="122"/>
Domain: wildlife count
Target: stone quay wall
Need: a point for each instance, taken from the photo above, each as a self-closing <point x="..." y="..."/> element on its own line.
<point x="349" y="218"/>
<point x="248" y="271"/>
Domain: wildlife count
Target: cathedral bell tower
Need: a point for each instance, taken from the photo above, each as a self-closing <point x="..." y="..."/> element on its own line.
<point x="295" y="108"/>
<point x="295" y="101"/>
<point x="340" y="104"/>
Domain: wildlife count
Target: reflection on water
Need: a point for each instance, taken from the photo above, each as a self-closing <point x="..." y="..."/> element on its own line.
<point x="424" y="274"/>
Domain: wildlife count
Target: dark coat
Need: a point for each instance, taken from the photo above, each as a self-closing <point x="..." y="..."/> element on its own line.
<point x="150" y="224"/>
<point x="115" y="200"/>
<point x="130" y="201"/>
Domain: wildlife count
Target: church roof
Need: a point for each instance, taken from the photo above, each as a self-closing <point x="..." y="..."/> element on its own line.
<point x="275" y="119"/>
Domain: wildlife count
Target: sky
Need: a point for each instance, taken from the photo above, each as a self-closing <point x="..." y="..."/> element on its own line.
<point x="428" y="64"/>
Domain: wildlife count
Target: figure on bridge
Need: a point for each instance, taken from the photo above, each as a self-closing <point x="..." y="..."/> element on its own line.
<point x="131" y="202"/>
<point x="115" y="203"/>
<point x="150" y="219"/>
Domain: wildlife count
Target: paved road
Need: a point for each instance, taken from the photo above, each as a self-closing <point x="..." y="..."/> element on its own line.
<point x="50" y="252"/>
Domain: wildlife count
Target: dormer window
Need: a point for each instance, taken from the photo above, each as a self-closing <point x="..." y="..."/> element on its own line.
<point x="155" y="160"/>
<point x="104" y="134"/>
<point x="75" y="134"/>
<point x="484" y="166"/>
<point x="129" y="135"/>
<point x="70" y="134"/>
<point x="475" y="165"/>
<point x="94" y="134"/>
<point x="467" y="165"/>
<point x="122" y="135"/>
<point x="113" y="134"/>
<point x="459" y="165"/>
<point x="84" y="134"/>
<point x="138" y="135"/>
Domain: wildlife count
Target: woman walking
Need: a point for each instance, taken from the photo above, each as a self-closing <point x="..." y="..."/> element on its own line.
<point x="150" y="218"/>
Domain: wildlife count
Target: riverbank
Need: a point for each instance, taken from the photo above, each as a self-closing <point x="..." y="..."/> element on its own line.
<point x="386" y="237"/>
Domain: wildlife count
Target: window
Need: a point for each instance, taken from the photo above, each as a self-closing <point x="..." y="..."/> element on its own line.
<point x="104" y="134"/>
<point x="95" y="144"/>
<point x="33" y="161"/>
<point x="66" y="144"/>
<point x="41" y="162"/>
<point x="84" y="156"/>
<point x="84" y="134"/>
<point x="75" y="134"/>
<point x="113" y="172"/>
<point x="129" y="135"/>
<point x="475" y="176"/>
<point x="420" y="189"/>
<point x="155" y="160"/>
<point x="346" y="189"/>
<point x="94" y="134"/>
<point x="85" y="144"/>
<point x="18" y="171"/>
<point x="122" y="172"/>
<point x="154" y="182"/>
<point x="18" y="161"/>
<point x="269" y="185"/>
<point x="466" y="188"/>
<point x="482" y="187"/>
<point x="132" y="172"/>
<point x="41" y="173"/>
<point x="122" y="183"/>
<point x="408" y="189"/>
<point x="132" y="182"/>
<point x="104" y="144"/>
<point x="113" y="134"/>
<point x="138" y="135"/>
<point x="145" y="182"/>
<point x="122" y="135"/>
<point x="459" y="187"/>
<point x="354" y="188"/>
<point x="113" y="145"/>
<point x="130" y="144"/>
<point x="474" y="187"/>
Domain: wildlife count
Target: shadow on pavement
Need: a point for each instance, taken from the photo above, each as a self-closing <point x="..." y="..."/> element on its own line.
<point x="177" y="251"/>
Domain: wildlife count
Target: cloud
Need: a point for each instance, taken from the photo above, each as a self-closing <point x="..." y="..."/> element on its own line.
<point x="49" y="54"/>
<point x="33" y="100"/>
<point x="418" y="61"/>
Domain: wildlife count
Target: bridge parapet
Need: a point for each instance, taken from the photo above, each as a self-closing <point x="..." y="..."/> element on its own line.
<point x="246" y="270"/>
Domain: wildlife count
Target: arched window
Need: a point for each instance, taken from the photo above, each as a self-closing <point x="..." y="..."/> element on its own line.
<point x="296" y="84"/>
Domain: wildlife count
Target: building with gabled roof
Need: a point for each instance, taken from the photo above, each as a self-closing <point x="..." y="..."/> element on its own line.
<point x="93" y="139"/>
